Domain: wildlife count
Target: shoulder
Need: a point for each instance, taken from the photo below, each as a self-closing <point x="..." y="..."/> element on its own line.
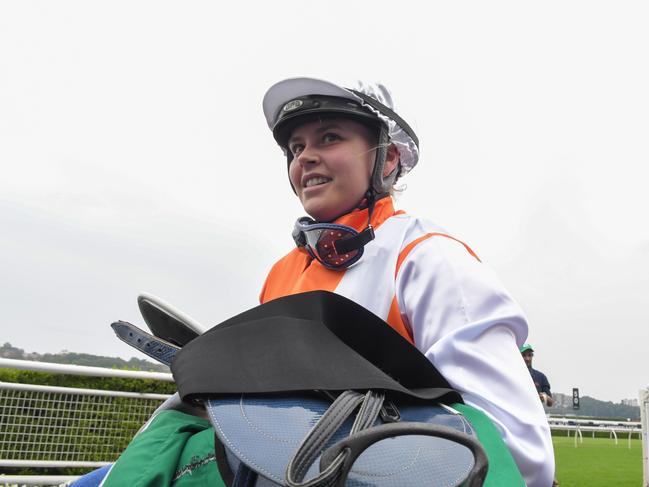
<point x="415" y="232"/>
<point x="431" y="254"/>
<point x="439" y="265"/>
<point x="423" y="242"/>
<point x="411" y="223"/>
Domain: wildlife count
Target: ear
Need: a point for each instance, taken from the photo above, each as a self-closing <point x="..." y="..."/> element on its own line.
<point x="392" y="159"/>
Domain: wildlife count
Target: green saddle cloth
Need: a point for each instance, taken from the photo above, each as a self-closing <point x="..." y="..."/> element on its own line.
<point x="175" y="449"/>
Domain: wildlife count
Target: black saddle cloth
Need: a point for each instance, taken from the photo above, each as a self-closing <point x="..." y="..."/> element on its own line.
<point x="312" y="341"/>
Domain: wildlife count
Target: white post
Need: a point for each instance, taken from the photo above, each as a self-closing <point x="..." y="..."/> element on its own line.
<point x="613" y="434"/>
<point x="644" y="417"/>
<point x="578" y="434"/>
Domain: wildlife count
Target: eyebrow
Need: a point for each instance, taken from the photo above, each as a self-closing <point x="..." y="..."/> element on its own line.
<point x="319" y="130"/>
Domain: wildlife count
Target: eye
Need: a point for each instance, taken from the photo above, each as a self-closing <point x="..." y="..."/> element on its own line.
<point x="330" y="137"/>
<point x="296" y="149"/>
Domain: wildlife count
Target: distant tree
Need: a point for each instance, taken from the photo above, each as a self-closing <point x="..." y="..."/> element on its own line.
<point x="9" y="351"/>
<point x="67" y="357"/>
<point x="589" y="406"/>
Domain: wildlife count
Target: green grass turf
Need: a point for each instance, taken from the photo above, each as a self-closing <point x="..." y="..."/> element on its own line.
<point x="598" y="462"/>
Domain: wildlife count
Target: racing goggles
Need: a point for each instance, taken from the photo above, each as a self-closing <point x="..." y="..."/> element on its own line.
<point x="334" y="246"/>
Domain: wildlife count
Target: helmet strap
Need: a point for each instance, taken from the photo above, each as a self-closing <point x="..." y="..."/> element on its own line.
<point x="379" y="183"/>
<point x="350" y="244"/>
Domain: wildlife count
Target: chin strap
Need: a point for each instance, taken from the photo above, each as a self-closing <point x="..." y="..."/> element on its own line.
<point x="346" y="245"/>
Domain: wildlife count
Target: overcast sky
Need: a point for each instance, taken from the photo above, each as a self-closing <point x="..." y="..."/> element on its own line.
<point x="135" y="158"/>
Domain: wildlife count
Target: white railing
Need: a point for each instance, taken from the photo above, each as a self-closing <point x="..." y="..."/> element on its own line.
<point x="8" y="363"/>
<point x="571" y="421"/>
<point x="614" y="429"/>
<point x="49" y="426"/>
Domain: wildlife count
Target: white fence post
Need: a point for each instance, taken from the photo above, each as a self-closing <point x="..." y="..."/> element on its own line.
<point x="644" y="417"/>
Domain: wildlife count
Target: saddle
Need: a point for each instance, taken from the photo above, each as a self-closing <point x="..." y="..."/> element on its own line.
<point x="313" y="390"/>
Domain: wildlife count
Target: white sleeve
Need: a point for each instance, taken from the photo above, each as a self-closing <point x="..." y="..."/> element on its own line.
<point x="469" y="327"/>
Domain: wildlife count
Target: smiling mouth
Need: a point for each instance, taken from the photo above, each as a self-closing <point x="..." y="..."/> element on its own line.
<point x="316" y="182"/>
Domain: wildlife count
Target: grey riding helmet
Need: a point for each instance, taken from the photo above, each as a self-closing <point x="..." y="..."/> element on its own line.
<point x="294" y="101"/>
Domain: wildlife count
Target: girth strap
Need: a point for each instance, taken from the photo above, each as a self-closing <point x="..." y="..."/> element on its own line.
<point x="330" y="422"/>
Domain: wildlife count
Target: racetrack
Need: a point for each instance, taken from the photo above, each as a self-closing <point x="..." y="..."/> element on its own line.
<point x="598" y="462"/>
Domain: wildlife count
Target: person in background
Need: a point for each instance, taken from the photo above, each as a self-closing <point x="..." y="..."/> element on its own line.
<point x="539" y="378"/>
<point x="540" y="382"/>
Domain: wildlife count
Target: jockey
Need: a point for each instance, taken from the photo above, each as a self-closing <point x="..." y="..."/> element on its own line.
<point x="345" y="149"/>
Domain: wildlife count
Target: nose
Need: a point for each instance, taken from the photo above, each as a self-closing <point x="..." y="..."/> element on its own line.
<point x="307" y="158"/>
<point x="309" y="155"/>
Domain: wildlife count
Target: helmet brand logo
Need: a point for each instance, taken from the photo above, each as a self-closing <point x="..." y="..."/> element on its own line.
<point x="292" y="105"/>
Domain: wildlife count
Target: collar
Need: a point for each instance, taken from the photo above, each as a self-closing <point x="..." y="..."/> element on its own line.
<point x="357" y="218"/>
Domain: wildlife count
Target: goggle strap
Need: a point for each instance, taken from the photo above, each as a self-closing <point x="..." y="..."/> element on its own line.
<point x="346" y="245"/>
<point x="298" y="235"/>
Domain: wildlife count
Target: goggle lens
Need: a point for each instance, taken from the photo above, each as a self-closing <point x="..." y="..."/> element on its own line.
<point x="320" y="242"/>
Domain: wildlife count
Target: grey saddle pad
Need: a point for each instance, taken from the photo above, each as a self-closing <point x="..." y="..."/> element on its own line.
<point x="264" y="433"/>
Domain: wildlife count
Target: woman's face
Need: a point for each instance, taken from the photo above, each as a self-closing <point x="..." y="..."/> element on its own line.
<point x="332" y="165"/>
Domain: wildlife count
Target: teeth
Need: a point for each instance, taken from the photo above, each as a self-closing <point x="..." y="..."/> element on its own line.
<point x="316" y="181"/>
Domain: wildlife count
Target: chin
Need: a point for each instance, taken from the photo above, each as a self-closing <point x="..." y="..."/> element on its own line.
<point x="321" y="213"/>
<point x="320" y="216"/>
<point x="326" y="211"/>
<point x="317" y="209"/>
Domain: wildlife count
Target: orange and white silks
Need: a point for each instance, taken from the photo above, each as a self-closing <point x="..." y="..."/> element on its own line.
<point x="435" y="291"/>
